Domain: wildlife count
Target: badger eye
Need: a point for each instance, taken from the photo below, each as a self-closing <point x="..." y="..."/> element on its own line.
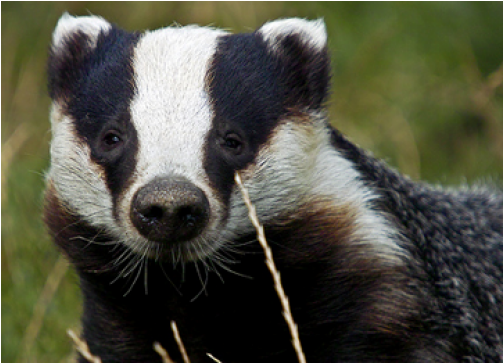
<point x="111" y="139"/>
<point x="233" y="143"/>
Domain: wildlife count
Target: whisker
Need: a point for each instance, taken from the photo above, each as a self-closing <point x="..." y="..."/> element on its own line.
<point x="133" y="264"/>
<point x="170" y="281"/>
<point x="80" y="220"/>
<point x="223" y="266"/>
<point x="124" y="256"/>
<point x="203" y="283"/>
<point x="92" y="241"/>
<point x="141" y="262"/>
<point x="145" y="258"/>
<point x="214" y="269"/>
<point x="182" y="263"/>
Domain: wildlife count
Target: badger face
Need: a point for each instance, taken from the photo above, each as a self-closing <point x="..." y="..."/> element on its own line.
<point x="150" y="128"/>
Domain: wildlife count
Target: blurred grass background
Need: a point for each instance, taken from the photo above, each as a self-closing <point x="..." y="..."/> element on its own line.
<point x="419" y="84"/>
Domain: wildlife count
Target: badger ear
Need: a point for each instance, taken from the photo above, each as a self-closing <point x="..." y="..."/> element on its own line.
<point x="73" y="41"/>
<point x="68" y="26"/>
<point x="312" y="33"/>
<point x="300" y="46"/>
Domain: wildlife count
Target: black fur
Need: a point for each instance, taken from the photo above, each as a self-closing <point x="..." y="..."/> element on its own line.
<point x="457" y="238"/>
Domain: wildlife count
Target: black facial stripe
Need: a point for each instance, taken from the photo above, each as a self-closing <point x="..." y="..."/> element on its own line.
<point x="246" y="96"/>
<point x="99" y="100"/>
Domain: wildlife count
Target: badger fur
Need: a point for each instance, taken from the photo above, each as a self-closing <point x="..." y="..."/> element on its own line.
<point x="148" y="131"/>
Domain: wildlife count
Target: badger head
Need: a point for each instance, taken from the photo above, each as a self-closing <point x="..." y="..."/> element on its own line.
<point x="150" y="128"/>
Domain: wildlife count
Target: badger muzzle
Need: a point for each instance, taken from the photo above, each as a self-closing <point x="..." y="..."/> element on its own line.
<point x="170" y="209"/>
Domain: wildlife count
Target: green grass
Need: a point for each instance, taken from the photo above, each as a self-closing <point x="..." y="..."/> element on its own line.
<point x="420" y="84"/>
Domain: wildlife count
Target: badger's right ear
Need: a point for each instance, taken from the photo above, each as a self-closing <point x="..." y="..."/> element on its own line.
<point x="73" y="41"/>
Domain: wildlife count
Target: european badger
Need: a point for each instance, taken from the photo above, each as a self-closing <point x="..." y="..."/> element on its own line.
<point x="148" y="131"/>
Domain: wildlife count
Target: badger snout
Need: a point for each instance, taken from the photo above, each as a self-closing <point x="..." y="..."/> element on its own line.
<point x="170" y="209"/>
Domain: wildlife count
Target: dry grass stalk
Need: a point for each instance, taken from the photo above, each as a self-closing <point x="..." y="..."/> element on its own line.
<point x="213" y="358"/>
<point x="163" y="353"/>
<point x="10" y="149"/>
<point x="82" y="348"/>
<point x="46" y="296"/>
<point x="287" y="314"/>
<point x="179" y="342"/>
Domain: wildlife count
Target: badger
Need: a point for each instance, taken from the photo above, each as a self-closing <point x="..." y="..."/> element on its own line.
<point x="149" y="129"/>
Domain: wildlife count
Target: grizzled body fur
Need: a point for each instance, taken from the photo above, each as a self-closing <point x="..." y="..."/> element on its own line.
<point x="148" y="131"/>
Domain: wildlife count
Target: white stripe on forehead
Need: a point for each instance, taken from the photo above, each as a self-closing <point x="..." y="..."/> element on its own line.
<point x="171" y="109"/>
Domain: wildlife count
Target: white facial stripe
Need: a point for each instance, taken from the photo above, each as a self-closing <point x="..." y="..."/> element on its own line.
<point x="73" y="173"/>
<point x="171" y="110"/>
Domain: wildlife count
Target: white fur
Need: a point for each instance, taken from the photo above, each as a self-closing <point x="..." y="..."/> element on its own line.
<point x="90" y="25"/>
<point x="312" y="32"/>
<point x="79" y="181"/>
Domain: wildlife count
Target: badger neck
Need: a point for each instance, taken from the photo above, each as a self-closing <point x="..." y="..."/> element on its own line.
<point x="308" y="170"/>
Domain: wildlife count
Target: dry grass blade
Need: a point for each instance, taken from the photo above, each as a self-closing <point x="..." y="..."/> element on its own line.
<point x="9" y="150"/>
<point x="287" y="314"/>
<point x="213" y="358"/>
<point x="163" y="353"/>
<point x="51" y="286"/>
<point x="82" y="348"/>
<point x="178" y="339"/>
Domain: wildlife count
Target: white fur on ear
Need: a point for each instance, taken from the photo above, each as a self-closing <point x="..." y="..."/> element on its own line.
<point x="311" y="32"/>
<point x="89" y="25"/>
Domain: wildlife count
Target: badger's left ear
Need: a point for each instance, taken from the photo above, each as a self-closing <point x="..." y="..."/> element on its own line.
<point x="300" y="47"/>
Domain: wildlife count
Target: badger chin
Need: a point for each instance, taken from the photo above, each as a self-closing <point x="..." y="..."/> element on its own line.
<point x="199" y="248"/>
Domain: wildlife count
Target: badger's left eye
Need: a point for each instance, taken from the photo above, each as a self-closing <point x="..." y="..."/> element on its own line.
<point x="233" y="143"/>
<point x="111" y="140"/>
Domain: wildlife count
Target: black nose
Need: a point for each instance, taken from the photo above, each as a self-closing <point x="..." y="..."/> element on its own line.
<point x="170" y="209"/>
